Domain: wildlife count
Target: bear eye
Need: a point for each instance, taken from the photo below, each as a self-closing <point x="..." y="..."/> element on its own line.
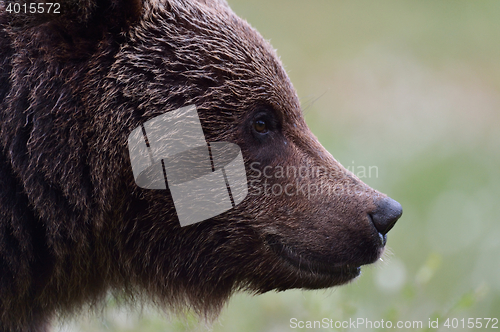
<point x="260" y="126"/>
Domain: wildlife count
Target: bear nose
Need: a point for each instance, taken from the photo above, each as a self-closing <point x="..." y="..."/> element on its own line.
<point x="386" y="214"/>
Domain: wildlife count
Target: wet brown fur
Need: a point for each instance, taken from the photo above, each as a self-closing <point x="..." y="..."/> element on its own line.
<point x="73" y="224"/>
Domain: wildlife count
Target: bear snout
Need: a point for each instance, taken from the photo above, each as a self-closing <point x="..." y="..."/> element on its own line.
<point x="386" y="214"/>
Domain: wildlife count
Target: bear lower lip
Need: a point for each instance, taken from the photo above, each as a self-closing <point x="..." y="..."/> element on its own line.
<point x="303" y="263"/>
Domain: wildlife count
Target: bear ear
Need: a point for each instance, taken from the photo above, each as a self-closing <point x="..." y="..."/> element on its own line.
<point x="77" y="15"/>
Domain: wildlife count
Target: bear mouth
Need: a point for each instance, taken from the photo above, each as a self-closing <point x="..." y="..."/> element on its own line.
<point x="343" y="272"/>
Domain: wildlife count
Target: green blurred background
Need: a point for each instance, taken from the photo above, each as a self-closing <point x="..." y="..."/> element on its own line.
<point x="413" y="88"/>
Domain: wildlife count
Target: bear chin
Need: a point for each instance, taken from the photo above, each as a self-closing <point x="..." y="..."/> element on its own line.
<point x="313" y="271"/>
<point x="320" y="271"/>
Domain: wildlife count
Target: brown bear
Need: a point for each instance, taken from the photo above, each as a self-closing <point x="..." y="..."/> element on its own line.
<point x="76" y="78"/>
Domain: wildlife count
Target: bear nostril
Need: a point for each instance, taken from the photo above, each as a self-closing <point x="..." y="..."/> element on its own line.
<point x="387" y="213"/>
